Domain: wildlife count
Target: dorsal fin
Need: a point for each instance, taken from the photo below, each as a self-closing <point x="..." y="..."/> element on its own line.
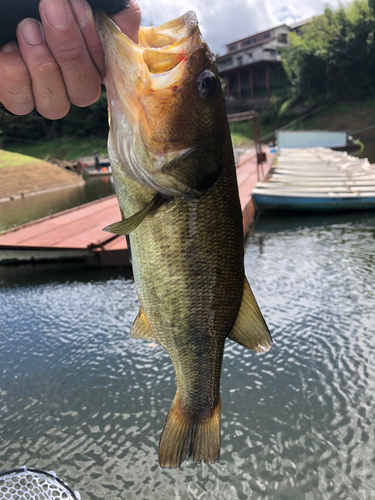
<point x="126" y="226"/>
<point x="141" y="328"/>
<point x="250" y="329"/>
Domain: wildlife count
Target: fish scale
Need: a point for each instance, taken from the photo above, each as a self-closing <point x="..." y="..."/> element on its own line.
<point x="165" y="294"/>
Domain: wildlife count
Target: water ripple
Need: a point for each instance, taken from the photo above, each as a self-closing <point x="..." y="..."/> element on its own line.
<point x="77" y="395"/>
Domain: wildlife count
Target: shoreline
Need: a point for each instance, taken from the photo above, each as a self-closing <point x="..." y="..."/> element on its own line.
<point x="48" y="190"/>
<point x="23" y="176"/>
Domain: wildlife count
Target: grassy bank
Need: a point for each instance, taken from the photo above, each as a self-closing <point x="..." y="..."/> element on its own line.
<point x="348" y="116"/>
<point x="64" y="148"/>
<point x="10" y="160"/>
<point x="21" y="175"/>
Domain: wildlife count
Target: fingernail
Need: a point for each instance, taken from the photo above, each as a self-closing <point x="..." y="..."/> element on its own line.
<point x="9" y="47"/>
<point x="32" y="31"/>
<point x="81" y="12"/>
<point x="56" y="13"/>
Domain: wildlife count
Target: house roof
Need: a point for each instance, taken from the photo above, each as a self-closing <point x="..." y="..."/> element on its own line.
<point x="293" y="26"/>
<point x="299" y="24"/>
<point x="255" y="34"/>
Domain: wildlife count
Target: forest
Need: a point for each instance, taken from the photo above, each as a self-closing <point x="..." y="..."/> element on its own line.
<point x="332" y="59"/>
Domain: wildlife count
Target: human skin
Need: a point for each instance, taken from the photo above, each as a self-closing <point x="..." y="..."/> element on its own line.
<point x="58" y="61"/>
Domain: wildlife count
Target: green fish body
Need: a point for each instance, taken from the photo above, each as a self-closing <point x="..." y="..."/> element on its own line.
<point x="172" y="161"/>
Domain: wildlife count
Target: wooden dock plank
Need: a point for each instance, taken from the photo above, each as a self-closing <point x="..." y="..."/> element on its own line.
<point x="53" y="231"/>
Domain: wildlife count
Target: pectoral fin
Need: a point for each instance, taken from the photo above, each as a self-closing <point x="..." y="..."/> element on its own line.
<point x="128" y="225"/>
<point x="250" y="329"/>
<point x="141" y="328"/>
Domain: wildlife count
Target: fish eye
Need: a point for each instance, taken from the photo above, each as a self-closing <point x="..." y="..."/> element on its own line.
<point x="206" y="84"/>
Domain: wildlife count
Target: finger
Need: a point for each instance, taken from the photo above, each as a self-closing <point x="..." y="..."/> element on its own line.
<point x="81" y="77"/>
<point x="15" y="85"/>
<point x="85" y="19"/>
<point x="50" y="96"/>
<point x="129" y="20"/>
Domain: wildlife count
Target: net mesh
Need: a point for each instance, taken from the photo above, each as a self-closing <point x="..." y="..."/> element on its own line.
<point x="34" y="485"/>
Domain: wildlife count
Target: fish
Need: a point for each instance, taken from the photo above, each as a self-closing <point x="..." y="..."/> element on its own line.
<point x="172" y="161"/>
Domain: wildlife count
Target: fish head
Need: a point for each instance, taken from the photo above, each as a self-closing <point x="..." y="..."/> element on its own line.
<point x="166" y="108"/>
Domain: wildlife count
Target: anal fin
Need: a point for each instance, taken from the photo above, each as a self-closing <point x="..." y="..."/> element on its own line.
<point x="141" y="328"/>
<point x="250" y="329"/>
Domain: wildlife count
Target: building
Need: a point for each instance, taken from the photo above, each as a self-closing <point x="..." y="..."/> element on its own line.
<point x="251" y="66"/>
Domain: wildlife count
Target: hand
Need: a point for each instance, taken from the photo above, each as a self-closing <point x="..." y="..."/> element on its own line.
<point x="59" y="61"/>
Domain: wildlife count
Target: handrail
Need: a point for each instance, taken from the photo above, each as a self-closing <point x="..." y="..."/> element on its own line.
<point x="252" y="116"/>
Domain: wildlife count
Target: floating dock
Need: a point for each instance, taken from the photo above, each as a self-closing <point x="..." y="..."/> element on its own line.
<point x="317" y="180"/>
<point x="76" y="234"/>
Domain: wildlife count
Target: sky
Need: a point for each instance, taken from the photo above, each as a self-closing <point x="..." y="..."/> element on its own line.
<point x="224" y="21"/>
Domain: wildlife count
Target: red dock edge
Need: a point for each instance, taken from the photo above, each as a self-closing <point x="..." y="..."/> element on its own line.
<point x="76" y="234"/>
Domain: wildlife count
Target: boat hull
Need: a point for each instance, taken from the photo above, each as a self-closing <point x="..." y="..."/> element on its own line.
<point x="293" y="203"/>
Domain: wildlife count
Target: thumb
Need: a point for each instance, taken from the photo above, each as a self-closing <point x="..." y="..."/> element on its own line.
<point x="129" y="20"/>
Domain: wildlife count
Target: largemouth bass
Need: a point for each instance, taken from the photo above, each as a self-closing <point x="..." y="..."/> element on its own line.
<point x="172" y="161"/>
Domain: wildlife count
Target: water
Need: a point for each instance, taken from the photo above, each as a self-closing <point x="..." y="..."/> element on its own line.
<point x="78" y="396"/>
<point x="19" y="211"/>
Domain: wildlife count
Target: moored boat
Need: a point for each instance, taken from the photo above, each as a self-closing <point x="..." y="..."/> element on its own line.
<point x="317" y="180"/>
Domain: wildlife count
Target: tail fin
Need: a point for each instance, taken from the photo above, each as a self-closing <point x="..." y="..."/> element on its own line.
<point x="187" y="435"/>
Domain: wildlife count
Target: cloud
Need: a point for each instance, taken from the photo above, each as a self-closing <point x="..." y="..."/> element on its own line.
<point x="224" y="21"/>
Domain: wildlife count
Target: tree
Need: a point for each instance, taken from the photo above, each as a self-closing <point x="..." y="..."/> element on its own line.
<point x="80" y="122"/>
<point x="334" y="58"/>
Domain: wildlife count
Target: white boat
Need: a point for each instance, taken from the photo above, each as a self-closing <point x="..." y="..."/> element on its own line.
<point x="317" y="180"/>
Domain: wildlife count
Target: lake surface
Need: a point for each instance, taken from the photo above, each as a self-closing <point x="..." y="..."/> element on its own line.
<point x="19" y="211"/>
<point x="78" y="396"/>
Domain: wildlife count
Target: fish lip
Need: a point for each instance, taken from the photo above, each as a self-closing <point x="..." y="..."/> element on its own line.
<point x="178" y="30"/>
<point x="191" y="21"/>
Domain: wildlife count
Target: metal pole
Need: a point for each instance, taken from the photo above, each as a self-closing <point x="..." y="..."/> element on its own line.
<point x="251" y="115"/>
<point x="239" y="85"/>
<point x="268" y="81"/>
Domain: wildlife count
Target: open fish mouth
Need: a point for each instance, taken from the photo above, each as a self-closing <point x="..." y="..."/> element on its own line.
<point x="162" y="47"/>
<point x="169" y="44"/>
<point x="154" y="106"/>
<point x="159" y="51"/>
